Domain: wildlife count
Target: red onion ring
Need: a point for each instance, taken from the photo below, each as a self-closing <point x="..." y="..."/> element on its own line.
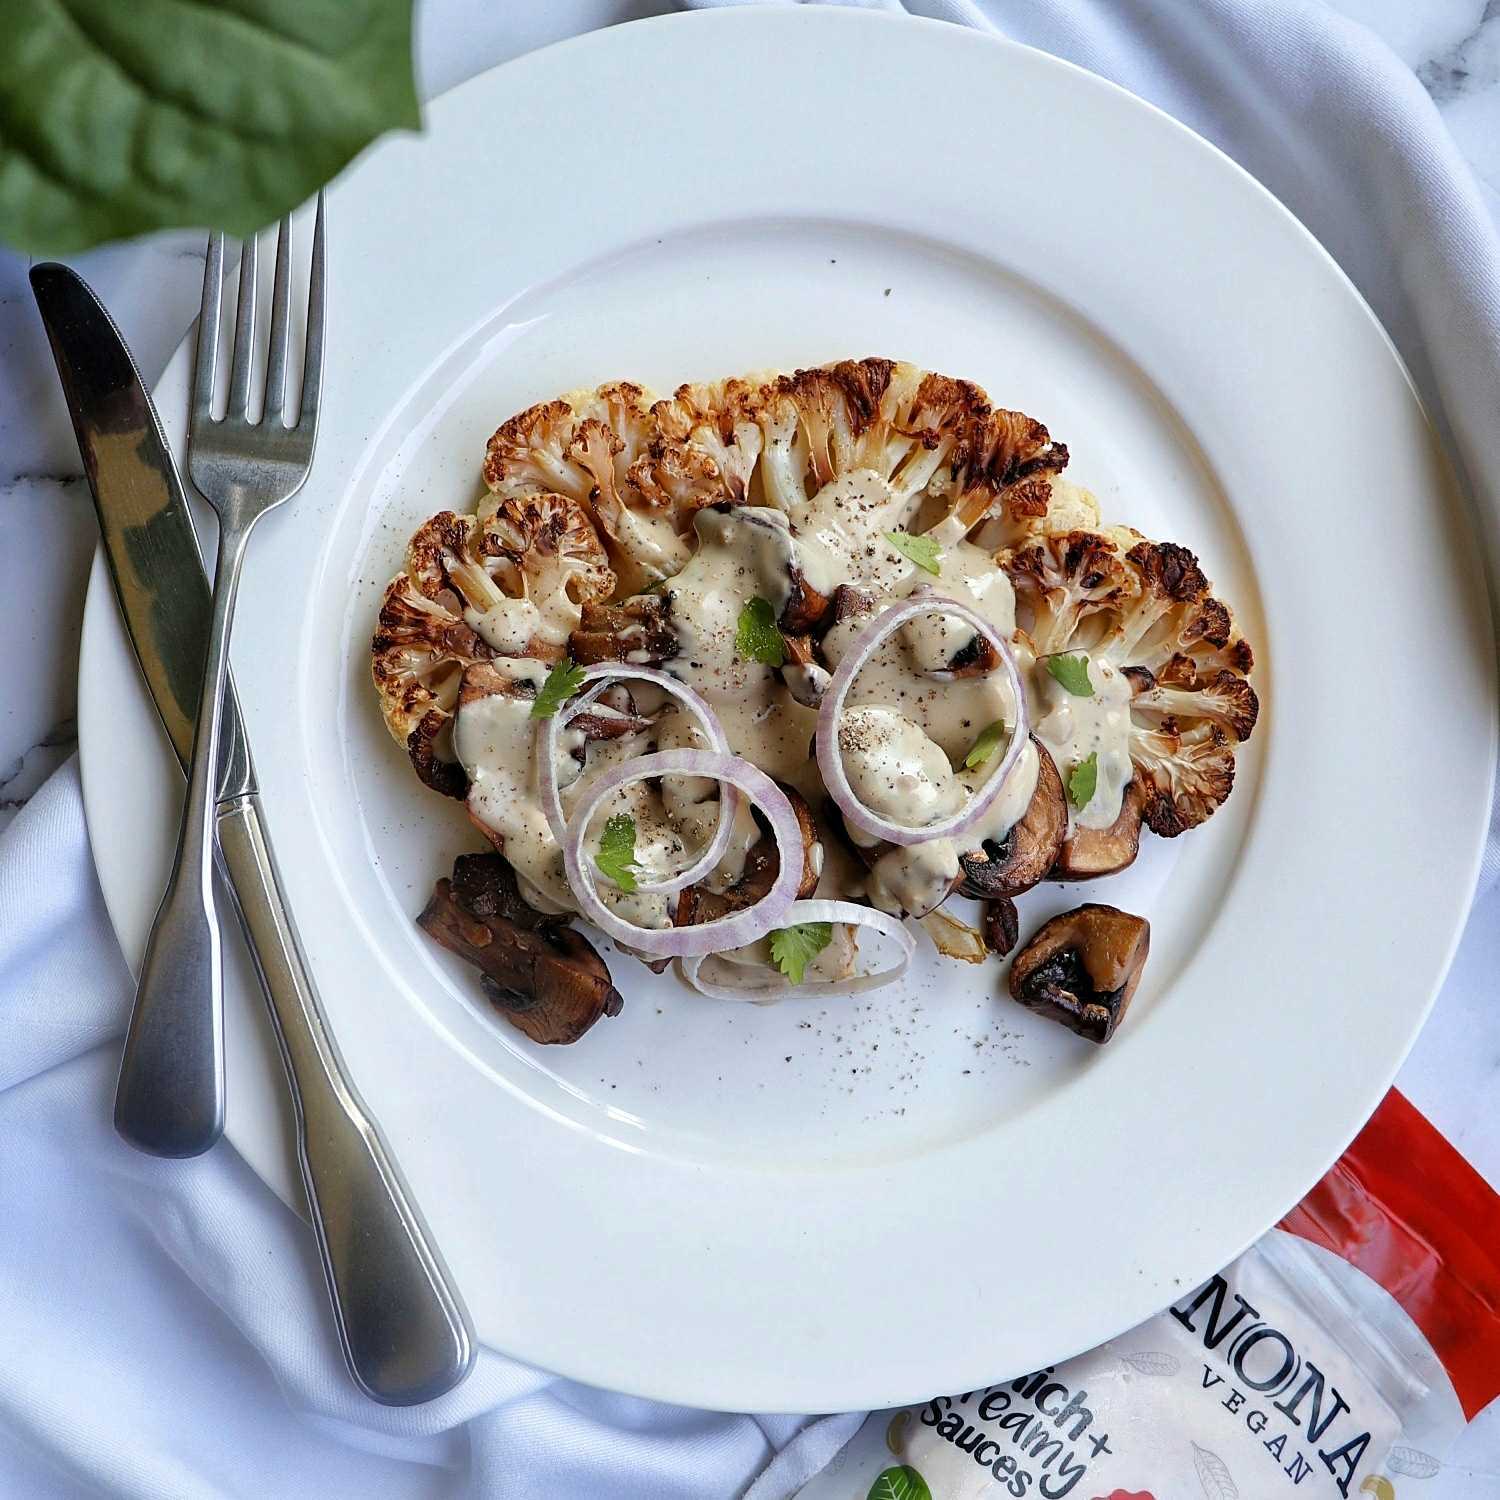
<point x="601" y="674"/>
<point x="830" y="711"/>
<point x="845" y="912"/>
<point x="732" y="931"/>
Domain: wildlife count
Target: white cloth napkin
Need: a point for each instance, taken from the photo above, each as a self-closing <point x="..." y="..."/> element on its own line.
<point x="163" y="1332"/>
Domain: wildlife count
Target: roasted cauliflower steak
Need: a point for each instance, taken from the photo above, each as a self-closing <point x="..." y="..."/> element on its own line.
<point x="591" y="501"/>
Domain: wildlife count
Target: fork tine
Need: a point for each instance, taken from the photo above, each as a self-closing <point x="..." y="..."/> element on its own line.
<point x="208" y="331"/>
<point x="281" y="294"/>
<point x="244" y="333"/>
<point x="312" y="365"/>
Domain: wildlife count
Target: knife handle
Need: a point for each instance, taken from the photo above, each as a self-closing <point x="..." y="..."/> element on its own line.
<point x="404" y="1330"/>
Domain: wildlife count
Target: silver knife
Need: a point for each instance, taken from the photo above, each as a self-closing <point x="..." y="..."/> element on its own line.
<point x="403" y="1328"/>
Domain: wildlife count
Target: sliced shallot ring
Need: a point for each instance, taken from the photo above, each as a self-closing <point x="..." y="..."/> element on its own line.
<point x="601" y="674"/>
<point x="831" y="761"/>
<point x="732" y="931"/>
<point x="845" y="912"/>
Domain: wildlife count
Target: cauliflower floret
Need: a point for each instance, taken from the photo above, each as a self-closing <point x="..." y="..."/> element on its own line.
<point x="1064" y="579"/>
<point x="1143" y="610"/>
<point x="705" y="448"/>
<point x="926" y="435"/>
<point x="1188" y="774"/>
<point x="584" y="446"/>
<point x="513" y="585"/>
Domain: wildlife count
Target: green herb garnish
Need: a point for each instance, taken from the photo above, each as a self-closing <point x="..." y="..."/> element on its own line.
<point x="903" y="1483"/>
<point x="793" y="948"/>
<point x="1073" y="673"/>
<point x="921" y="550"/>
<point x="757" y="638"/>
<point x="986" y="745"/>
<point x="562" y="682"/>
<point x="616" y="856"/>
<point x="1083" y="780"/>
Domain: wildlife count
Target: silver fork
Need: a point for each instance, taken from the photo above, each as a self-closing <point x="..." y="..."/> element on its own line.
<point x="170" y="1096"/>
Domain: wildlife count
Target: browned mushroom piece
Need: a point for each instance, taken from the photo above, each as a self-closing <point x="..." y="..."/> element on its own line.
<point x="762" y="863"/>
<point x="1088" y="853"/>
<point x="1080" y="969"/>
<point x="637" y="630"/>
<point x="541" y="975"/>
<point x="804" y="606"/>
<point x="976" y="658"/>
<point x="1024" y="856"/>
<point x="1002" y="925"/>
<point x="806" y="678"/>
<point x="850" y="600"/>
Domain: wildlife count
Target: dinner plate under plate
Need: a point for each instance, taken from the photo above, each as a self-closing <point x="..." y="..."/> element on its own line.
<point x="819" y="1205"/>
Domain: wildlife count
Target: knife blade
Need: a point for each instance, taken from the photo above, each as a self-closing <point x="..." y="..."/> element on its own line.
<point x="143" y="514"/>
<point x="402" y="1325"/>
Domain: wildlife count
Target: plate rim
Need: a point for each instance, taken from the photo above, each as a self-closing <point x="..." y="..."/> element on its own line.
<point x="755" y="17"/>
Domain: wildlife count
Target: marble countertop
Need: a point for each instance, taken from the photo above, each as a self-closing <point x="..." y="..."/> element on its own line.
<point x="47" y="531"/>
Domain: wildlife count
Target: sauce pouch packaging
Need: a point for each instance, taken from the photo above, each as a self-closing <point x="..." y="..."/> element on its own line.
<point x="1338" y="1358"/>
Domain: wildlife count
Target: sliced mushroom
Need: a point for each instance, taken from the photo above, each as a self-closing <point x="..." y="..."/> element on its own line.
<point x="1080" y="969"/>
<point x="604" y="723"/>
<point x="805" y="606"/>
<point x="1002" y="925"/>
<point x="806" y="678"/>
<point x="1025" y="855"/>
<point x="977" y="658"/>
<point x="762" y="863"/>
<point x="850" y="600"/>
<point x="1088" y="853"/>
<point x="541" y="975"/>
<point x="637" y="630"/>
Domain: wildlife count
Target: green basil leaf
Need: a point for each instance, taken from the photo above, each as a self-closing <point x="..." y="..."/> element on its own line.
<point x="756" y="637"/>
<point x="986" y="745"/>
<point x="903" y="1483"/>
<point x="1073" y="673"/>
<point x="921" y="550"/>
<point x="116" y="120"/>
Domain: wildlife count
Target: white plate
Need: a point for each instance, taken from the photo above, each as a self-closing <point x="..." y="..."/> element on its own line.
<point x="818" y="1206"/>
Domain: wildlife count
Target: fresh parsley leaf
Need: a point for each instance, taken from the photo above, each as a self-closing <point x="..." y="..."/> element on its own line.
<point x="616" y="856"/>
<point x="793" y="948"/>
<point x="562" y="682"/>
<point x="986" y="745"/>
<point x="903" y="1483"/>
<point x="921" y="550"/>
<point x="1083" y="780"/>
<point x="1073" y="673"/>
<point x="757" y="638"/>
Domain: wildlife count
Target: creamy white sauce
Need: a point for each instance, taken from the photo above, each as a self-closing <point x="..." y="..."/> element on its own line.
<point x="895" y="770"/>
<point x="841" y="535"/>
<point x="1073" y="728"/>
<point x="509" y="626"/>
<point x="908" y="726"/>
<point x="648" y="547"/>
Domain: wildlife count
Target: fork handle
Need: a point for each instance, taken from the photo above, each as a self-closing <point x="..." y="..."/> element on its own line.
<point x="169" y="1100"/>
<point x="402" y="1326"/>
